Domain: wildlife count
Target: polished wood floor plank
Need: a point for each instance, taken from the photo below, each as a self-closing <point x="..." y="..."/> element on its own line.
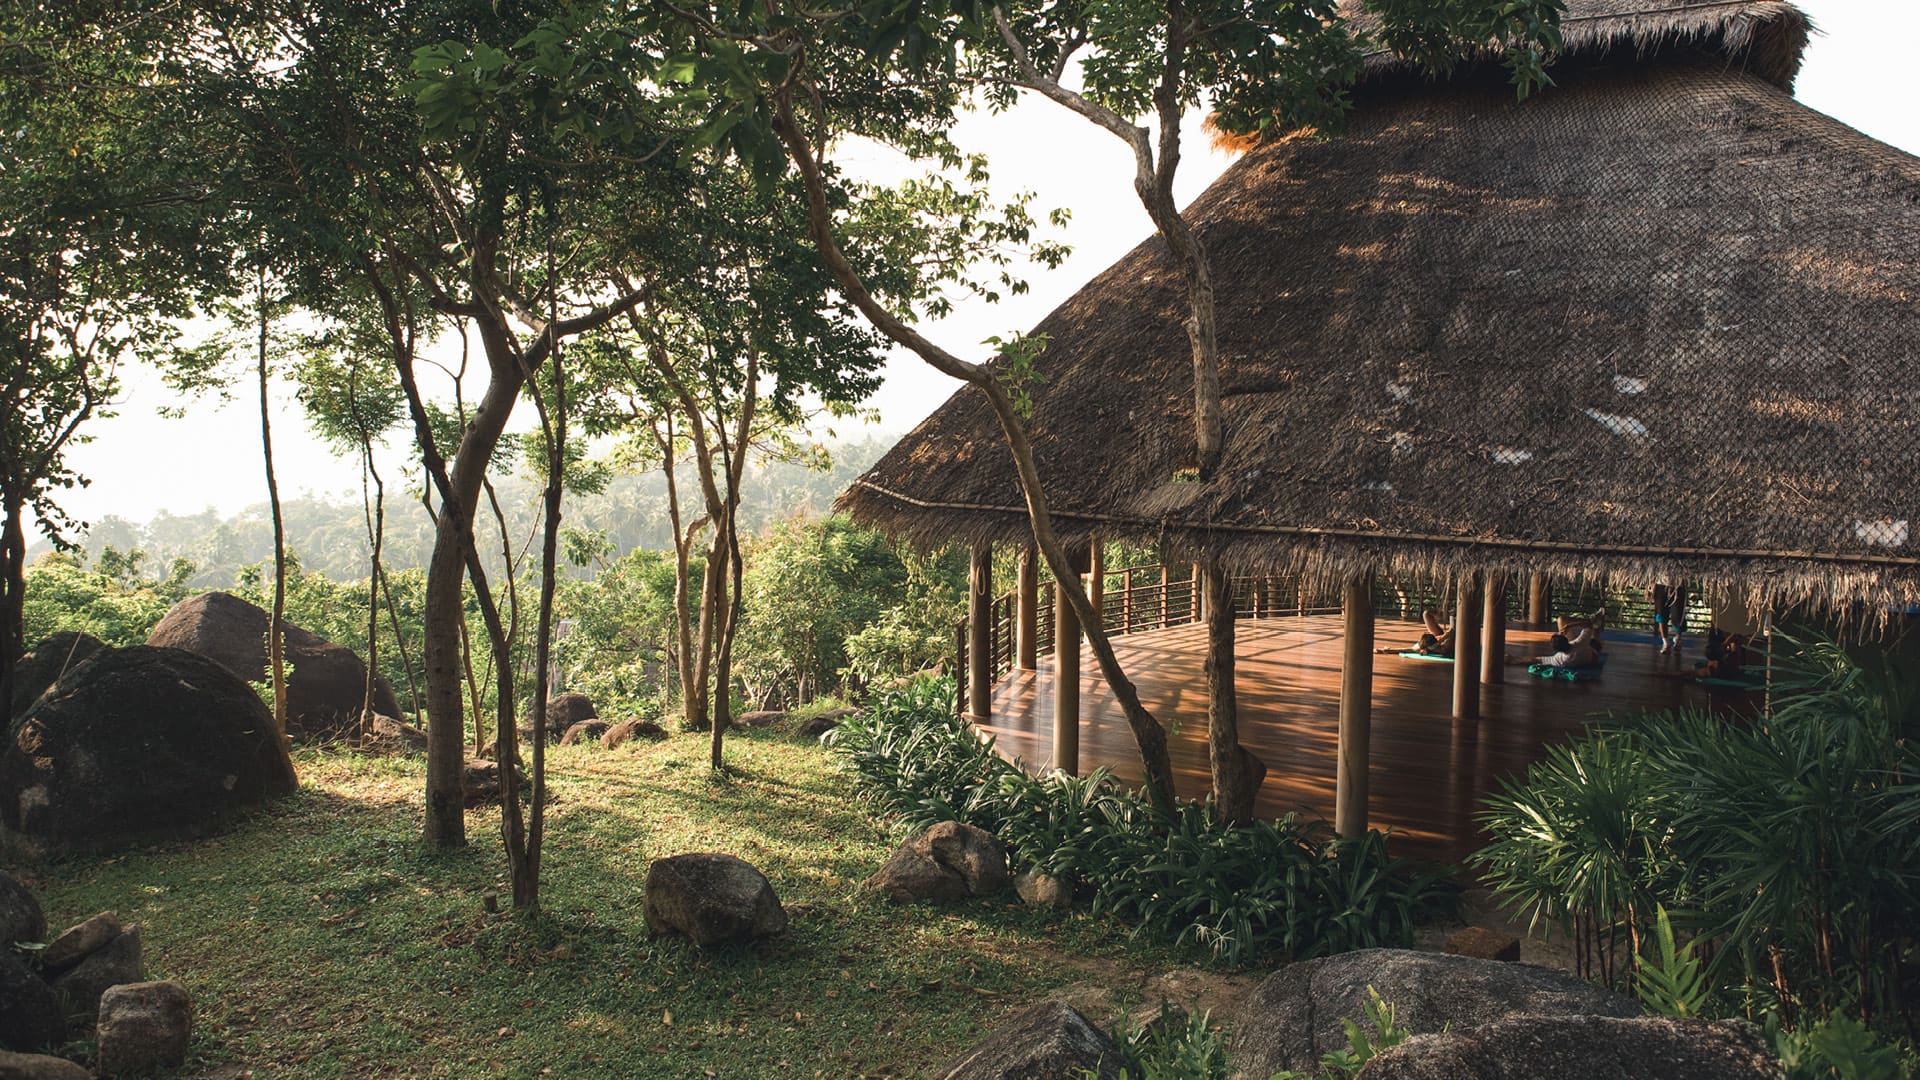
<point x="1428" y="771"/>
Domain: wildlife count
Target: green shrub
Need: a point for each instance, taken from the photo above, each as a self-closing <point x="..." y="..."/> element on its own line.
<point x="1284" y="886"/>
<point x="1789" y="846"/>
<point x="1172" y="1046"/>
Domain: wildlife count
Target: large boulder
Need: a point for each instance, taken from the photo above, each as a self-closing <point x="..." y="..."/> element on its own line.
<point x="482" y="783"/>
<point x="566" y="710"/>
<point x="138" y="743"/>
<point x="20" y="915"/>
<point x="1294" y="1017"/>
<point x="142" y="1027"/>
<point x="384" y="734"/>
<point x="78" y="942"/>
<point x="118" y="961"/>
<point x="30" y="1014"/>
<point x="711" y="898"/>
<point x="328" y="685"/>
<point x="1048" y="1041"/>
<point x="58" y="654"/>
<point x="1584" y="1048"/>
<point x="627" y="730"/>
<point x="948" y="861"/>
<point x="584" y="731"/>
<point x="39" y="1067"/>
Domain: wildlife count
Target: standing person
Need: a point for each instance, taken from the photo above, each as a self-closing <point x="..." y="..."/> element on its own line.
<point x="1669" y="615"/>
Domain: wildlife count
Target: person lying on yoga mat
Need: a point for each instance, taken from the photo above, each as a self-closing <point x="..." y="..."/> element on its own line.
<point x="1566" y="653"/>
<point x="1437" y="641"/>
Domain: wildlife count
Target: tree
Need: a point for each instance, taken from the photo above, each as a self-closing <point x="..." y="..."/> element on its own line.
<point x="352" y="401"/>
<point x="100" y="245"/>
<point x="386" y="166"/>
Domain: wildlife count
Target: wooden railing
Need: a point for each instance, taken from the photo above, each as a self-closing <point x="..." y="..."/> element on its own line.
<point x="1143" y="598"/>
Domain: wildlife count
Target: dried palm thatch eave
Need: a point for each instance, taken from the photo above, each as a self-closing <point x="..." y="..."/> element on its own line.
<point x="1767" y="37"/>
<point x="1322" y="558"/>
<point x="1657" y="322"/>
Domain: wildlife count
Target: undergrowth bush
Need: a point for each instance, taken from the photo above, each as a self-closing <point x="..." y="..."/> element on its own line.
<point x="1287" y="886"/>
<point x="1786" y="848"/>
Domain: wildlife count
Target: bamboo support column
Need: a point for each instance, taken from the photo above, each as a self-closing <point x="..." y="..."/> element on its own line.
<point x="1493" y="633"/>
<point x="1066" y="685"/>
<point x="1097" y="580"/>
<point x="1466" y="648"/>
<point x="1027" y="612"/>
<point x="1356" y="707"/>
<point x="1539" y="600"/>
<point x="980" y="633"/>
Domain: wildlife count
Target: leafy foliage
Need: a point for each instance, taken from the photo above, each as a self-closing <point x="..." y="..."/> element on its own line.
<point x="1673" y="981"/>
<point x="114" y="600"/>
<point x="1175" y="1045"/>
<point x="1288" y="887"/>
<point x="1786" y="845"/>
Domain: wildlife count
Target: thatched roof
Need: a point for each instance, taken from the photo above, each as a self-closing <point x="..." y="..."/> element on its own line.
<point x="1656" y="322"/>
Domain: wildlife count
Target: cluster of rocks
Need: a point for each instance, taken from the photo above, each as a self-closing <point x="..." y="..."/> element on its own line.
<point x="326" y="687"/>
<point x="90" y="976"/>
<point x="1470" y="1019"/>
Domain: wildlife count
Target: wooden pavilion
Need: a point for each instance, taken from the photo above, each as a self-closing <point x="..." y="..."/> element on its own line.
<point x="1655" y="323"/>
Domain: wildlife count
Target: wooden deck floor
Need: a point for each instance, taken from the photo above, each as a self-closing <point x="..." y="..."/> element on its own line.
<point x="1428" y="772"/>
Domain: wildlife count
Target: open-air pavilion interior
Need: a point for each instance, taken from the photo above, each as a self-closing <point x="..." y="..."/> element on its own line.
<point x="1654" y="324"/>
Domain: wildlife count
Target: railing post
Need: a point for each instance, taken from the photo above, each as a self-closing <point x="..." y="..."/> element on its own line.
<point x="980" y="633"/>
<point x="1199" y="610"/>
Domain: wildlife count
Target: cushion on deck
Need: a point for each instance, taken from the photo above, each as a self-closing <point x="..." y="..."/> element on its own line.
<point x="1427" y="656"/>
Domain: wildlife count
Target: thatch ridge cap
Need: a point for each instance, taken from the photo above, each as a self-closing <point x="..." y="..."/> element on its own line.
<point x="1769" y="36"/>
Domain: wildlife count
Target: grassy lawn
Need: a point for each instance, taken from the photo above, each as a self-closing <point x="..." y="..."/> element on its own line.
<point x="320" y="939"/>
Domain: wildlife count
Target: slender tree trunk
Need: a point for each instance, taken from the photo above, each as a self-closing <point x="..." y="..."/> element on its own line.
<point x="13" y="594"/>
<point x="1149" y="737"/>
<point x="276" y="633"/>
<point x="400" y="643"/>
<point x="376" y="533"/>
<point x="1232" y="776"/>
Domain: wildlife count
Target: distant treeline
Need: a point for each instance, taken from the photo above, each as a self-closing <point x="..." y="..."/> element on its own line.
<point x="331" y="536"/>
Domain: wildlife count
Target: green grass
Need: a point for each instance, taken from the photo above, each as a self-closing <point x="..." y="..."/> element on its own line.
<point x="321" y="939"/>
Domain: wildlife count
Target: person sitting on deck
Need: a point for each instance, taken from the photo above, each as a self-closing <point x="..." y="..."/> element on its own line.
<point x="1584" y="629"/>
<point x="1726" y="658"/>
<point x="1567" y="653"/>
<point x="1437" y="641"/>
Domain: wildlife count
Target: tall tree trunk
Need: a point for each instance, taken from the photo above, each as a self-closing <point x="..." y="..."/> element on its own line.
<point x="376" y="533"/>
<point x="13" y="594"/>
<point x="276" y="632"/>
<point x="1149" y="737"/>
<point x="1232" y="776"/>
<point x="692" y="705"/>
<point x="446" y="821"/>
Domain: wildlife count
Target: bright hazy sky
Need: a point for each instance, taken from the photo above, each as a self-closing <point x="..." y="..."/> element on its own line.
<point x="1858" y="69"/>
